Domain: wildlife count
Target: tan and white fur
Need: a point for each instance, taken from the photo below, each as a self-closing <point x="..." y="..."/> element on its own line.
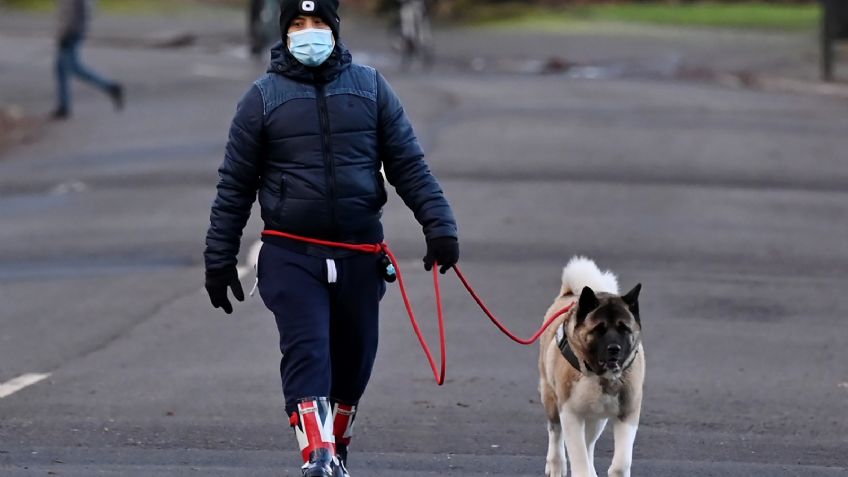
<point x="578" y="404"/>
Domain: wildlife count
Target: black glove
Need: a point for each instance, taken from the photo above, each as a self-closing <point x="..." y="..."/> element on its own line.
<point x="444" y="251"/>
<point x="217" y="282"/>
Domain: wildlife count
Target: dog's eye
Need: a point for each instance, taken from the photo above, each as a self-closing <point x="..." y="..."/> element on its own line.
<point x="600" y="329"/>
<point x="622" y="328"/>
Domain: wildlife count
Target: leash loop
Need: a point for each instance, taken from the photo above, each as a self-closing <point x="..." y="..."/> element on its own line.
<point x="440" y="374"/>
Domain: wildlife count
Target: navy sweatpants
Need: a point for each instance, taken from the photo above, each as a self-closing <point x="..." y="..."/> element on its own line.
<point x="327" y="314"/>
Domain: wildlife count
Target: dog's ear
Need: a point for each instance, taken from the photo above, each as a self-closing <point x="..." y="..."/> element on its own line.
<point x="631" y="299"/>
<point x="588" y="302"/>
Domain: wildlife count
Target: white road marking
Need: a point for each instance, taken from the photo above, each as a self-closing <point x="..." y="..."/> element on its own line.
<point x="69" y="187"/>
<point x="12" y="386"/>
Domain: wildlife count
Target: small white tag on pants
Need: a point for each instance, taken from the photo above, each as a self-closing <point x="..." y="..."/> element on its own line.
<point x="332" y="275"/>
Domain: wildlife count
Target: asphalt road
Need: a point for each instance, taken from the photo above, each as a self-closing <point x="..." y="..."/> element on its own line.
<point x="729" y="206"/>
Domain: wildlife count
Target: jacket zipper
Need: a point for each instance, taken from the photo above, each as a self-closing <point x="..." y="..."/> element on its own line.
<point x="278" y="211"/>
<point x="326" y="149"/>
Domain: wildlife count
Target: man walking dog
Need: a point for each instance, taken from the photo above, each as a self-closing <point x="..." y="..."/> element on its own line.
<point x="310" y="138"/>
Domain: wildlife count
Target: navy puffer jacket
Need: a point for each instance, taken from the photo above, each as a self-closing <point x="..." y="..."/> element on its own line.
<point x="311" y="142"/>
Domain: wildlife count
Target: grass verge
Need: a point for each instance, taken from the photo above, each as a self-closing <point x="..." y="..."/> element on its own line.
<point x="740" y="15"/>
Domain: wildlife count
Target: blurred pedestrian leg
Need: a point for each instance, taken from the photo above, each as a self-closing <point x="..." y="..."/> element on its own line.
<point x="73" y="23"/>
<point x="67" y="65"/>
<point x="263" y="27"/>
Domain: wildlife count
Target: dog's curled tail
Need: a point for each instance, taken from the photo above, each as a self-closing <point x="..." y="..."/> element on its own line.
<point x="583" y="272"/>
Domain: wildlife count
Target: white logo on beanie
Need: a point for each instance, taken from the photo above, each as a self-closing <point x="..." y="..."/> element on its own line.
<point x="307" y="6"/>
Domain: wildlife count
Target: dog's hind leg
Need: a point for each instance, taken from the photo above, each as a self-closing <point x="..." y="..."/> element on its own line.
<point x="625" y="435"/>
<point x="556" y="464"/>
<point x="594" y="427"/>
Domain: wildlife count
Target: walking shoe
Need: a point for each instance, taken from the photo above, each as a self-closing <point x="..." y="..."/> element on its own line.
<point x="116" y="92"/>
<point x="343" y="419"/>
<point x="60" y="114"/>
<point x="313" y="426"/>
<point x="339" y="469"/>
<point x="322" y="465"/>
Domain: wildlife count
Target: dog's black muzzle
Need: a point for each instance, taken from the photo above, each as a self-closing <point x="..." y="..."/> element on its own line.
<point x="614" y="356"/>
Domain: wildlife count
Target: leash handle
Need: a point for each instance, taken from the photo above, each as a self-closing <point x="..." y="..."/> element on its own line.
<point x="372" y="248"/>
<point x="438" y="374"/>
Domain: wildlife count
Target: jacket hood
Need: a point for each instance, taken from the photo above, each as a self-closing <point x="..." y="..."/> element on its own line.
<point x="283" y="63"/>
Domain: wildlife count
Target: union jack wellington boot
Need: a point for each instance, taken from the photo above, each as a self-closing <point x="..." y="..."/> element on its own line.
<point x="313" y="426"/>
<point x="343" y="417"/>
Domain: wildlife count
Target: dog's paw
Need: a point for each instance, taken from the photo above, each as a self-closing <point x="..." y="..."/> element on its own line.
<point x="555" y="470"/>
<point x="619" y="472"/>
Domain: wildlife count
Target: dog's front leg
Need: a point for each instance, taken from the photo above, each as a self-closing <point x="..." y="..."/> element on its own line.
<point x="574" y="429"/>
<point x="594" y="427"/>
<point x="624" y="432"/>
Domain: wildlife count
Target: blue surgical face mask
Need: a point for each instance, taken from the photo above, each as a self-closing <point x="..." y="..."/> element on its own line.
<point x="311" y="46"/>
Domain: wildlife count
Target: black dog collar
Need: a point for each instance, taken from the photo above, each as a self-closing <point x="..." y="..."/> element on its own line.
<point x="573" y="360"/>
<point x="568" y="353"/>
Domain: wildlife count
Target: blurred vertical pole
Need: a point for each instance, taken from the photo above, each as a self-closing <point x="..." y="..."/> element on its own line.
<point x="827" y="34"/>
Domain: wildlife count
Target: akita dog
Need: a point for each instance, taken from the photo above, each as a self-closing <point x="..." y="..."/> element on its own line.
<point x="592" y="367"/>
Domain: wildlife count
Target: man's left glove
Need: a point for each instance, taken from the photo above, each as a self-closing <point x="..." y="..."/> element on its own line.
<point x="217" y="282"/>
<point x="444" y="251"/>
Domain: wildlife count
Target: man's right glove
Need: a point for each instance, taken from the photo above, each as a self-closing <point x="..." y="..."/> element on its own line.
<point x="217" y="282"/>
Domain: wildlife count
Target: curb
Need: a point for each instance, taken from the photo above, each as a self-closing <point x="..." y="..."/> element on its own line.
<point x="789" y="85"/>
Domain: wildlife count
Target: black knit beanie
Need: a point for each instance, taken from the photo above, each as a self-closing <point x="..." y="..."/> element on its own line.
<point x="327" y="10"/>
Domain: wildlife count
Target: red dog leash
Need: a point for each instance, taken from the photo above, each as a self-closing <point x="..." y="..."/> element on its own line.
<point x="438" y="372"/>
